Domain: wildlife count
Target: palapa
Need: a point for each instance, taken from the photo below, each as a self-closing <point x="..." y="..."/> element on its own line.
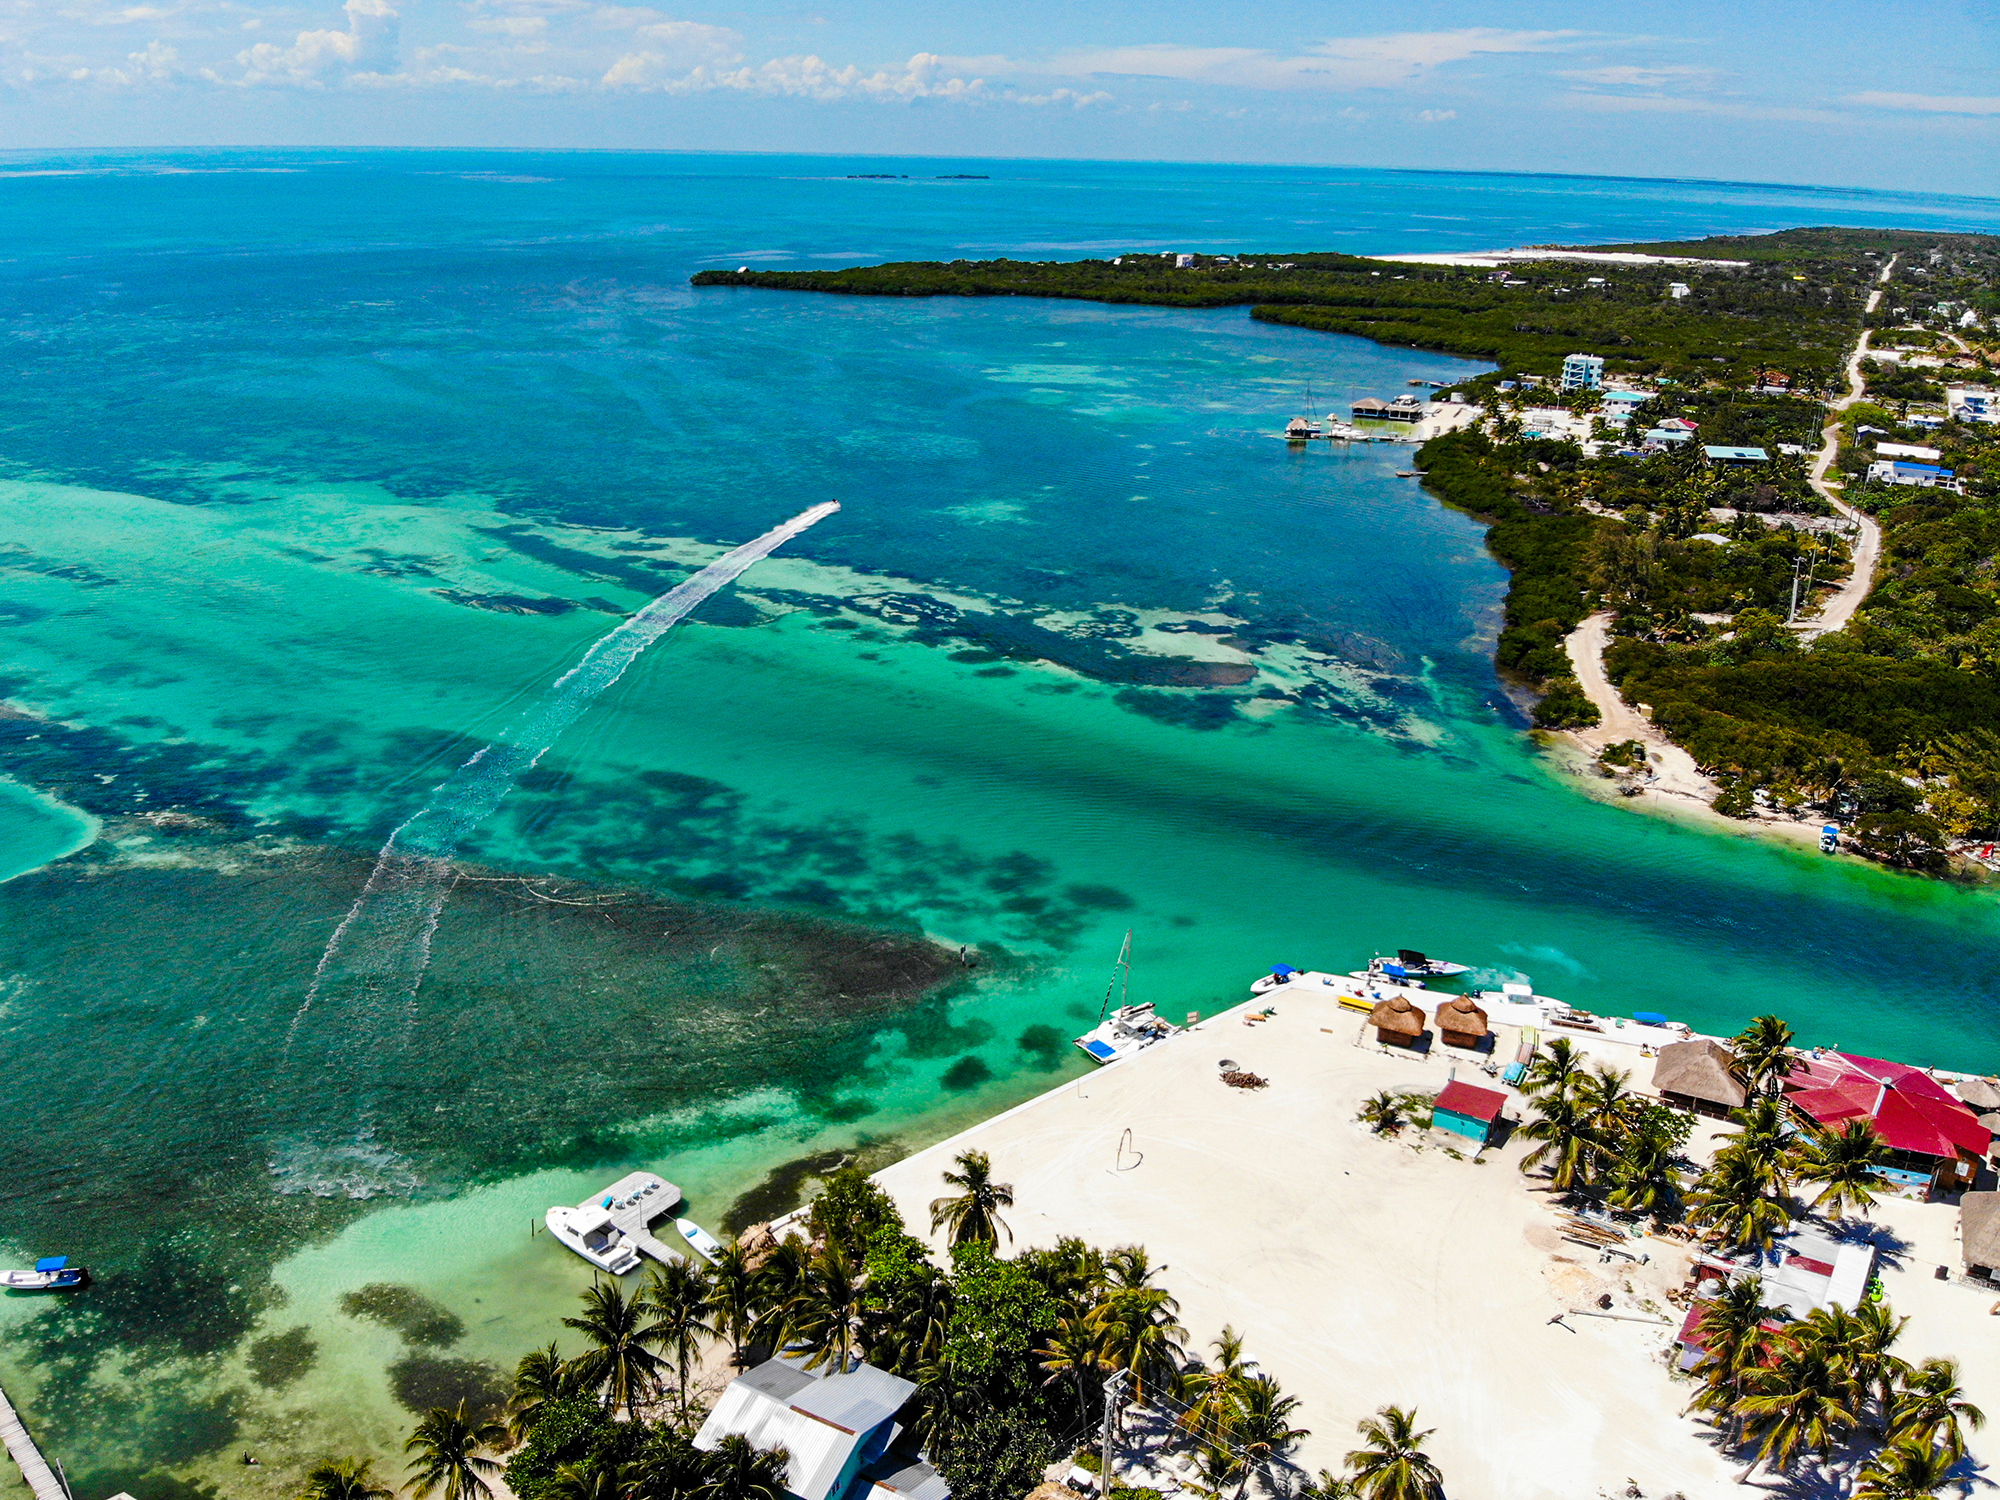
<point x="1699" y="1075"/>
<point x="1983" y="1094"/>
<point x="1396" y="1020"/>
<point x="1460" y="1020"/>
<point x="1979" y="1230"/>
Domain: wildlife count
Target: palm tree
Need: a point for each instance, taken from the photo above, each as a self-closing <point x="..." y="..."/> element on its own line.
<point x="1930" y="1408"/>
<point x="1734" y="1341"/>
<point x="1801" y="1403"/>
<point x="973" y="1217"/>
<point x="737" y="1471"/>
<point x="1264" y="1431"/>
<point x="1144" y="1335"/>
<point x="1645" y="1177"/>
<point x="1549" y="1073"/>
<point x="1072" y="1273"/>
<point x="678" y="1293"/>
<point x="944" y="1399"/>
<point x="1383" y="1112"/>
<point x="1393" y="1465"/>
<point x="1214" y="1395"/>
<point x="1907" y="1470"/>
<point x="667" y="1466"/>
<point x="906" y="1330"/>
<point x="447" y="1444"/>
<point x="1864" y="1338"/>
<point x="1077" y="1347"/>
<point x="1129" y="1266"/>
<point x="1731" y="1199"/>
<point x="826" y="1315"/>
<point x="1563" y="1140"/>
<point x="588" y="1481"/>
<point x="542" y="1376"/>
<point x="1327" y="1486"/>
<point x="1844" y="1160"/>
<point x="1763" y="1054"/>
<point x="1763" y="1135"/>
<point x="735" y="1298"/>
<point x="620" y="1363"/>
<point x="779" y="1281"/>
<point x="343" y="1479"/>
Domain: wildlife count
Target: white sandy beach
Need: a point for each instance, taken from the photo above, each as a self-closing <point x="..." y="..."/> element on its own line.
<point x="1365" y="1271"/>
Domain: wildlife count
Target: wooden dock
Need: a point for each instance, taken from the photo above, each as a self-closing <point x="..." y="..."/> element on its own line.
<point x="633" y="1210"/>
<point x="42" y="1479"/>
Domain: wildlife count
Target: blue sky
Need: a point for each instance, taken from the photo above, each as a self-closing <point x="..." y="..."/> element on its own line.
<point x="1885" y="94"/>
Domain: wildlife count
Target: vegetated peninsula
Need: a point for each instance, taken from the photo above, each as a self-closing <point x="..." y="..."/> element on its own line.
<point x="1757" y="416"/>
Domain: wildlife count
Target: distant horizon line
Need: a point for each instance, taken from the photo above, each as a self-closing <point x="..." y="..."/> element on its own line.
<point x="30" y="152"/>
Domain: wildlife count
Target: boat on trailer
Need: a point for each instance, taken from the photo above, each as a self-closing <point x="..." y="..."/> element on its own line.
<point x="52" y="1273"/>
<point x="1128" y="1029"/>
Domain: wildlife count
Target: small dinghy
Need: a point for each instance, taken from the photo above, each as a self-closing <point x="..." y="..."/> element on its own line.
<point x="52" y="1273"/>
<point x="705" y="1244"/>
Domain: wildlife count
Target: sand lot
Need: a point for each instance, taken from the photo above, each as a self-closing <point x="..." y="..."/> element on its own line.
<point x="1366" y="1271"/>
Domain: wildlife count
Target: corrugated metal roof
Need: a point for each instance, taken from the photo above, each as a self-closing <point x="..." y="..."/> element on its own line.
<point x="819" y="1420"/>
<point x="895" y="1478"/>
<point x="862" y="1399"/>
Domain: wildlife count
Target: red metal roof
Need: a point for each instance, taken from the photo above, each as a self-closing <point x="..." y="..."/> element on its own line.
<point x="1471" y="1101"/>
<point x="1910" y="1110"/>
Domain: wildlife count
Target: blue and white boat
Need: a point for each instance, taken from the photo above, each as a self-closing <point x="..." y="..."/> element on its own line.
<point x="52" y="1273"/>
<point x="1120" y="1033"/>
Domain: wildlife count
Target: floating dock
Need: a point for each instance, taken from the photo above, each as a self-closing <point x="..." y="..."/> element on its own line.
<point x="42" y="1479"/>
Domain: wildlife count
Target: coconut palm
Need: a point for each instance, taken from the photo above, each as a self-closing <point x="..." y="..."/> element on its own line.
<point x="1907" y="1470"/>
<point x="1763" y="1054"/>
<point x="779" y="1281"/>
<point x="1144" y="1335"/>
<point x="1327" y="1485"/>
<point x="944" y="1400"/>
<point x="677" y="1294"/>
<point x="542" y="1376"/>
<point x="1645" y="1177"/>
<point x="734" y="1298"/>
<point x="1563" y="1141"/>
<point x="1129" y="1266"/>
<point x="1864" y="1338"/>
<point x="1549" y="1073"/>
<point x="1844" y="1161"/>
<point x="588" y="1481"/>
<point x="906" y="1330"/>
<point x="1078" y="1348"/>
<point x="1264" y="1431"/>
<point x="1734" y="1341"/>
<point x="972" y="1216"/>
<point x="1383" y="1112"/>
<point x="1929" y="1407"/>
<point x="1214" y="1394"/>
<point x="825" y="1319"/>
<point x="1733" y="1200"/>
<point x="1392" y="1464"/>
<point x="620" y="1364"/>
<point x="667" y="1466"/>
<point x="1801" y="1403"/>
<point x="1763" y="1135"/>
<point x="738" y="1471"/>
<point x="446" y="1445"/>
<point x="343" y="1479"/>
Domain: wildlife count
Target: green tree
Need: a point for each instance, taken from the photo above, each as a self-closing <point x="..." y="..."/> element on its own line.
<point x="739" y="1471"/>
<point x="1763" y="1054"/>
<point x="972" y="1215"/>
<point x="1906" y="1470"/>
<point x="448" y="1459"/>
<point x="343" y="1479"/>
<point x="1734" y="1198"/>
<point x="1144" y="1337"/>
<point x="850" y="1209"/>
<point x="620" y="1363"/>
<point x="1929" y="1408"/>
<point x="908" y="1304"/>
<point x="734" y="1298"/>
<point x="826" y="1318"/>
<point x="1843" y="1160"/>
<point x="995" y="1455"/>
<point x="1213" y="1394"/>
<point x="1550" y="1070"/>
<point x="667" y="1466"/>
<point x="1734" y="1342"/>
<point x="1391" y="1463"/>
<point x="1801" y="1403"/>
<point x="1078" y="1350"/>
<point x="588" y="1481"/>
<point x="1645" y="1175"/>
<point x="780" y="1279"/>
<point x="1264" y="1431"/>
<point x="1564" y="1142"/>
<point x="542" y="1376"/>
<point x="1382" y="1112"/>
<point x="677" y="1294"/>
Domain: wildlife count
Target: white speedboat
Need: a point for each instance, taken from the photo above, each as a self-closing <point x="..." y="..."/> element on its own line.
<point x="592" y="1233"/>
<point x="705" y="1244"/>
<point x="1417" y="966"/>
<point x="52" y="1273"/>
<point x="1124" y="1031"/>
<point x="1381" y="975"/>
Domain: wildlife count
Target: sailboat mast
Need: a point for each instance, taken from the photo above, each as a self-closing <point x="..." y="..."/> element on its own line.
<point x="1121" y="976"/>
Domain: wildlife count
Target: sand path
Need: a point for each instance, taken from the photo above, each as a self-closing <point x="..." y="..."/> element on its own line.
<point x="1674" y="773"/>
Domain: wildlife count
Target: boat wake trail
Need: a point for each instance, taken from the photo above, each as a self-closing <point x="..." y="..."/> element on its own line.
<point x="382" y="946"/>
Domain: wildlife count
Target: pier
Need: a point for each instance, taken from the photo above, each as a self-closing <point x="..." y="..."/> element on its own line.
<point x="633" y="1210"/>
<point x="42" y="1479"/>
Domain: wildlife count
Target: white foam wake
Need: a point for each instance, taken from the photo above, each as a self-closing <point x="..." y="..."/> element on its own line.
<point x="383" y="944"/>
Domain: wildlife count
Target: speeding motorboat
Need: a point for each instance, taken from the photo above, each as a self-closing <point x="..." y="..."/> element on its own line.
<point x="52" y="1273"/>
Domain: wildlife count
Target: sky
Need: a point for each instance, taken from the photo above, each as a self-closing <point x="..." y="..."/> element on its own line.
<point x="1887" y="94"/>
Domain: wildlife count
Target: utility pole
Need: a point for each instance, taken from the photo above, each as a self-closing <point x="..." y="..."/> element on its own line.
<point x="1114" y="1392"/>
<point x="1789" y="618"/>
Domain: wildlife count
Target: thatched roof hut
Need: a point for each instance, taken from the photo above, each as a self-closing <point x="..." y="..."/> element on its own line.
<point x="1979" y="1230"/>
<point x="1699" y="1075"/>
<point x="1983" y="1094"/>
<point x="1461" y="1021"/>
<point x="1396" y="1020"/>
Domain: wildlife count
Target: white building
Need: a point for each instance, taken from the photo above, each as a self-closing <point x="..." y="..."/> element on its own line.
<point x="1678" y="290"/>
<point x="1917" y="451"/>
<point x="1971" y="403"/>
<point x="1583" y="372"/>
<point x="1926" y="476"/>
<point x="837" y="1426"/>
<point x="1182" y="262"/>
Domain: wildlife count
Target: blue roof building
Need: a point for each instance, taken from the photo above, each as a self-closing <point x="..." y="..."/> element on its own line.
<point x="1735" y="457"/>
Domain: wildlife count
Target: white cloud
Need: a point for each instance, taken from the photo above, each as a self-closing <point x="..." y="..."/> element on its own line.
<point x="1339" y="63"/>
<point x="1436" y="116"/>
<point x="808" y="77"/>
<point x="514" y="26"/>
<point x="1929" y="104"/>
<point x="1640" y="78"/>
<point x="368" y="45"/>
<point x="1669" y="104"/>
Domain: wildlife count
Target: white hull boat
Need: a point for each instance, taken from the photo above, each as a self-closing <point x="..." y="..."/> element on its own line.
<point x="611" y="1228"/>
<point x="52" y="1273"/>
<point x="591" y="1233"/>
<point x="705" y="1244"/>
<point x="1129" y="1029"/>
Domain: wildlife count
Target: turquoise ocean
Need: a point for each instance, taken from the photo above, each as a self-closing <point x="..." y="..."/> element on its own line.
<point x="316" y="468"/>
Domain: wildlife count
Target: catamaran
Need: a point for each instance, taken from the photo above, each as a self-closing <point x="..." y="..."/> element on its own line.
<point x="1120" y="1033"/>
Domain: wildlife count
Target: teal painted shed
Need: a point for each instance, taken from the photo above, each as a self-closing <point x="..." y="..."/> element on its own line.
<point x="1468" y="1111"/>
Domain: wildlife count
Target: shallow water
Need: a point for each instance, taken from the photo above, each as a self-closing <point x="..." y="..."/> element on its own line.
<point x="376" y="447"/>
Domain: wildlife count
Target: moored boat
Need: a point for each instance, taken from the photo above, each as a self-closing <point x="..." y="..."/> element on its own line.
<point x="705" y="1244"/>
<point x="1128" y="1029"/>
<point x="1418" y="965"/>
<point x="52" y="1273"/>
<point x="592" y="1233"/>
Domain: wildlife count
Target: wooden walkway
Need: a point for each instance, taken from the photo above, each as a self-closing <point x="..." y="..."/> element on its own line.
<point x="34" y="1468"/>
